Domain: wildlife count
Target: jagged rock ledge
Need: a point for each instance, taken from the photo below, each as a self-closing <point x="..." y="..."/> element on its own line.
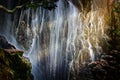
<point x="106" y="68"/>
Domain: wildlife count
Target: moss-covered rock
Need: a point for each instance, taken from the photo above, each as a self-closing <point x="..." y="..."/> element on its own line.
<point x="13" y="66"/>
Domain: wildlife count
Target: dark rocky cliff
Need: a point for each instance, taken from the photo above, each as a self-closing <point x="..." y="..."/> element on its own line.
<point x="13" y="65"/>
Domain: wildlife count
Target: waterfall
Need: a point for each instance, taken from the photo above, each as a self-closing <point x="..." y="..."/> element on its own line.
<point x="62" y="39"/>
<point x="7" y="27"/>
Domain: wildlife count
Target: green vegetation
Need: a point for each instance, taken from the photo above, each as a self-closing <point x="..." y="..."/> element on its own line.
<point x="13" y="66"/>
<point x="115" y="27"/>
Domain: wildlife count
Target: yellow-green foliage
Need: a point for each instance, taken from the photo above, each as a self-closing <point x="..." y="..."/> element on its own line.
<point x="115" y="25"/>
<point x="115" y="21"/>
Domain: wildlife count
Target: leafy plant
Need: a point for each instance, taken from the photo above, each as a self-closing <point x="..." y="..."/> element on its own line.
<point x="115" y="26"/>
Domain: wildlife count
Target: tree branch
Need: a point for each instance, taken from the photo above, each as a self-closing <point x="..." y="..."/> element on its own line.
<point x="48" y="6"/>
<point x="10" y="10"/>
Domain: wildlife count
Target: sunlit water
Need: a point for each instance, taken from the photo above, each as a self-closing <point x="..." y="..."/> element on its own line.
<point x="59" y="40"/>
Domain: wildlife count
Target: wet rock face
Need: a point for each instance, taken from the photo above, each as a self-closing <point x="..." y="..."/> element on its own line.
<point x="106" y="68"/>
<point x="82" y="4"/>
<point x="24" y="35"/>
<point x="4" y="43"/>
<point x="13" y="66"/>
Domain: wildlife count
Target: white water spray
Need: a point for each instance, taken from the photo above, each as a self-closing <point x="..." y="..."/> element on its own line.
<point x="62" y="38"/>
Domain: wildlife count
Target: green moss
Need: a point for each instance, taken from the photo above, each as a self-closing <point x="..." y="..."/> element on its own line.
<point x="13" y="66"/>
<point x="114" y="43"/>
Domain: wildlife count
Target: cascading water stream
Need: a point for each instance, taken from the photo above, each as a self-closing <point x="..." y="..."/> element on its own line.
<point x="62" y="39"/>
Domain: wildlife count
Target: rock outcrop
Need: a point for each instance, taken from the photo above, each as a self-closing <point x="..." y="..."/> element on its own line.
<point x="106" y="68"/>
<point x="13" y="66"/>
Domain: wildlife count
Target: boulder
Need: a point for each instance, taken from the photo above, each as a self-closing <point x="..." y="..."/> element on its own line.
<point x="106" y="68"/>
<point x="13" y="65"/>
<point x="4" y="43"/>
